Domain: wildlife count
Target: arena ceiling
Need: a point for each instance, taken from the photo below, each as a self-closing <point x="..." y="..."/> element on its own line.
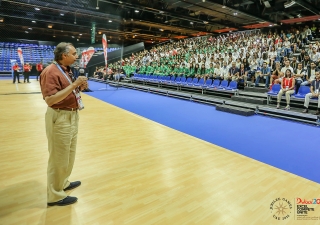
<point x="143" y="20"/>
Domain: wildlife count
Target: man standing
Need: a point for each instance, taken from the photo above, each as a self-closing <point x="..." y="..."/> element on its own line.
<point x="26" y="72"/>
<point x="76" y="70"/>
<point x="39" y="68"/>
<point x="315" y="90"/>
<point x="62" y="96"/>
<point x="15" y="69"/>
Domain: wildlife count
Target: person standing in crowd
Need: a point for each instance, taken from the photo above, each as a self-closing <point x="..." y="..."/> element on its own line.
<point x="16" y="69"/>
<point x="61" y="93"/>
<point x="76" y="70"/>
<point x="315" y="91"/>
<point x="287" y="88"/>
<point x="26" y="72"/>
<point x="39" y="68"/>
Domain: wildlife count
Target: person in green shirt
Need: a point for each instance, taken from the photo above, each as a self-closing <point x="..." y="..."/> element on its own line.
<point x="149" y="69"/>
<point x="143" y="69"/>
<point x="162" y="69"/>
<point x="183" y="70"/>
<point x="176" y="70"/>
<point x="156" y="68"/>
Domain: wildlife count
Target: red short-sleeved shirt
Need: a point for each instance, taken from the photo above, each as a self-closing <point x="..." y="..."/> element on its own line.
<point x="39" y="67"/>
<point x="52" y="80"/>
<point x="26" y="68"/>
<point x="15" y="67"/>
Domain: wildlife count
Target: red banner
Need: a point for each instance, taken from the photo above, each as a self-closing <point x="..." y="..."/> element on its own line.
<point x="20" y="54"/>
<point x="86" y="56"/>
<point x="105" y="49"/>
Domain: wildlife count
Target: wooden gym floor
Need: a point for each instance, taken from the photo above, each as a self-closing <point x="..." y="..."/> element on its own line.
<point x="133" y="171"/>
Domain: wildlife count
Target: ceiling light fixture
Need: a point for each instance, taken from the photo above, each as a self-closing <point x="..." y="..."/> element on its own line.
<point x="33" y="21"/>
<point x="120" y="2"/>
<point x="1" y="20"/>
<point x="223" y="6"/>
<point x="26" y="31"/>
<point x="72" y="36"/>
<point x="50" y="26"/>
<point x="99" y="32"/>
<point x="110" y="21"/>
<point x="37" y="9"/>
<point x="235" y="13"/>
<point x="80" y="34"/>
<point x="61" y="14"/>
<point x="97" y="5"/>
<point x="205" y="22"/>
<point x="136" y="11"/>
<point x="289" y="4"/>
<point x="30" y="28"/>
<point x="191" y="22"/>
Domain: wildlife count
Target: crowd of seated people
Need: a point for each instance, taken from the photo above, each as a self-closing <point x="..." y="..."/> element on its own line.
<point x="245" y="57"/>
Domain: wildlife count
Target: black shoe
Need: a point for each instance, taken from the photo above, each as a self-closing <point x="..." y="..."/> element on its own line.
<point x="19" y="82"/>
<point x="305" y="111"/>
<point x="317" y="112"/>
<point x="66" y="201"/>
<point x="73" y="185"/>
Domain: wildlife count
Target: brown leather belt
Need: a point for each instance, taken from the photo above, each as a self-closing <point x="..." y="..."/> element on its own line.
<point x="67" y="109"/>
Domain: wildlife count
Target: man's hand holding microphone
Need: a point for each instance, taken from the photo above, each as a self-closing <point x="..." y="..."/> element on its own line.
<point x="81" y="82"/>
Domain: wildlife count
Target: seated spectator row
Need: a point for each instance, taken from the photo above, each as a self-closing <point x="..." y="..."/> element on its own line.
<point x="191" y="82"/>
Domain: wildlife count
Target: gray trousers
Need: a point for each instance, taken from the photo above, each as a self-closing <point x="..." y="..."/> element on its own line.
<point x="307" y="100"/>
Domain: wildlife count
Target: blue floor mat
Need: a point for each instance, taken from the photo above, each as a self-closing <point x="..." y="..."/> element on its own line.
<point x="284" y="144"/>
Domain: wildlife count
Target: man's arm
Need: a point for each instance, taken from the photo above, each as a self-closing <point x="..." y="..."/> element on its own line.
<point x="60" y="95"/>
<point x="311" y="90"/>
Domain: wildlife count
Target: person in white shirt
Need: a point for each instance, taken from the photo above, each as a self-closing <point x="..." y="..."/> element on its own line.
<point x="272" y="54"/>
<point x="286" y="67"/>
<point x="308" y="33"/>
<point x="218" y="72"/>
<point x="314" y="56"/>
<point x="287" y="46"/>
<point x="225" y="71"/>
